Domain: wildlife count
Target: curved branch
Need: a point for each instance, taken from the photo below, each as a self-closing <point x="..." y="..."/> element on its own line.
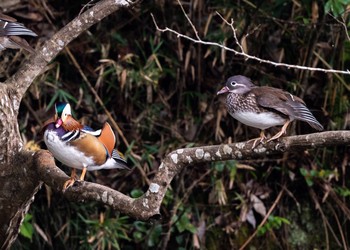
<point x="19" y="179"/>
<point x="147" y="206"/>
<point x="22" y="79"/>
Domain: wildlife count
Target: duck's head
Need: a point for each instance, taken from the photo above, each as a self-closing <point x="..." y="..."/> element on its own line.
<point x="63" y="113"/>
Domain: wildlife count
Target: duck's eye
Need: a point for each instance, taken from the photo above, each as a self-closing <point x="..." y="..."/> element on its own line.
<point x="233" y="83"/>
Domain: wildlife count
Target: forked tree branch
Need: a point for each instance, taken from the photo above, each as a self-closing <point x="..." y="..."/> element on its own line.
<point x="37" y="63"/>
<point x="148" y="206"/>
<point x="18" y="181"/>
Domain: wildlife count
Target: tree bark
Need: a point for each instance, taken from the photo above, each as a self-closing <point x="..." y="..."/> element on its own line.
<point x="147" y="206"/>
<point x="21" y="174"/>
<point x="18" y="178"/>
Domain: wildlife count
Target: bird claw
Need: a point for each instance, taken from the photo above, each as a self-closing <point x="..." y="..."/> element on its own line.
<point x="276" y="136"/>
<point x="279" y="134"/>
<point x="257" y="141"/>
<point x="68" y="184"/>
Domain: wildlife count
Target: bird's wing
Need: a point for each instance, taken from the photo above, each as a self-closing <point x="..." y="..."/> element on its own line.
<point x="7" y="18"/>
<point x="21" y="43"/>
<point x="272" y="98"/>
<point x="8" y="28"/>
<point x="301" y="112"/>
<point x="287" y="104"/>
<point x="90" y="146"/>
<point x="119" y="158"/>
<point x="107" y="138"/>
<point x="91" y="131"/>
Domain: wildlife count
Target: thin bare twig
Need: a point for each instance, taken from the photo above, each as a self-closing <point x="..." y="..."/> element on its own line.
<point x="343" y="238"/>
<point x="279" y="196"/>
<point x="324" y="219"/>
<point x="179" y="202"/>
<point x="343" y="24"/>
<point x="197" y="39"/>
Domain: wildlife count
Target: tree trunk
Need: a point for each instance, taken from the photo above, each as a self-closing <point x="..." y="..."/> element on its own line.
<point x="18" y="184"/>
<point x="21" y="174"/>
<point x="19" y="181"/>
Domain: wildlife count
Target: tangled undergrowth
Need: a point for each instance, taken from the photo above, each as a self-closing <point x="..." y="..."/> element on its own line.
<point x="161" y="92"/>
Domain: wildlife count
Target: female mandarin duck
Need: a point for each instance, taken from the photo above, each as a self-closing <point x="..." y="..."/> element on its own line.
<point x="79" y="146"/>
<point x="264" y="107"/>
<point x="10" y="32"/>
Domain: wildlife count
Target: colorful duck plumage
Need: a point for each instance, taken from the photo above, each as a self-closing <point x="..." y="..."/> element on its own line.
<point x="79" y="146"/>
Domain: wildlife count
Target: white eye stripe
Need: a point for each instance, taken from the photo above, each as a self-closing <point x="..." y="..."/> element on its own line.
<point x="238" y="84"/>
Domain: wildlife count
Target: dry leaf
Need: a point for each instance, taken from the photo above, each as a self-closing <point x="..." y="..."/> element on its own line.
<point x="258" y="205"/>
<point x="251" y="218"/>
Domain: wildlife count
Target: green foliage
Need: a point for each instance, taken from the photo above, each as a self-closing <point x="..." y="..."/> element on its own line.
<point x="337" y="7"/>
<point x="105" y="233"/>
<point x="161" y="91"/>
<point x="311" y="175"/>
<point x="183" y="223"/>
<point x="61" y="95"/>
<point x="273" y="222"/>
<point x="26" y="229"/>
<point x="343" y="191"/>
<point x="135" y="193"/>
<point x="143" y="233"/>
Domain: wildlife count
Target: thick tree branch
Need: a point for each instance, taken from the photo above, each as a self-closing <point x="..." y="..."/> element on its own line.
<point x="147" y="206"/>
<point x="18" y="180"/>
<point x="23" y="78"/>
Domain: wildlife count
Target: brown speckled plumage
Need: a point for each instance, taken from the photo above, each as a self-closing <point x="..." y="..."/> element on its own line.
<point x="242" y="103"/>
<point x="264" y="107"/>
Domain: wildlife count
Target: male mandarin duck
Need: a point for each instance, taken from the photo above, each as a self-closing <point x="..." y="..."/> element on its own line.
<point x="264" y="107"/>
<point x="10" y="30"/>
<point x="79" y="146"/>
